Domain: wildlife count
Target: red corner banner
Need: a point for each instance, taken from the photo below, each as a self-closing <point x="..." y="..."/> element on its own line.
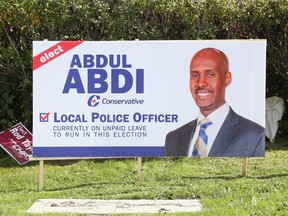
<point x="53" y="53"/>
<point x="17" y="142"/>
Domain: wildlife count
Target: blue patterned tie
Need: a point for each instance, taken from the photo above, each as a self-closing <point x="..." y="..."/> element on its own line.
<point x="200" y="148"/>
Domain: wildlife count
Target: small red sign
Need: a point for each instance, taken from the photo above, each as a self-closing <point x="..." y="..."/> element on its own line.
<point x="53" y="52"/>
<point x="17" y="142"/>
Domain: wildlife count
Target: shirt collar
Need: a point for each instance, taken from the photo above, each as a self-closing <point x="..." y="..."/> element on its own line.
<point x="218" y="116"/>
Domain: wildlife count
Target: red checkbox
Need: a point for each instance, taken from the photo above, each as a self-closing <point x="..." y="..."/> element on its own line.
<point x="44" y="117"/>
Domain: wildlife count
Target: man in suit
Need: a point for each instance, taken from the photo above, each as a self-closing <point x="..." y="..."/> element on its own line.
<point x="222" y="133"/>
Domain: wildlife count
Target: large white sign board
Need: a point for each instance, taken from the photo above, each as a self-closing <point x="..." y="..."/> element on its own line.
<point x="122" y="98"/>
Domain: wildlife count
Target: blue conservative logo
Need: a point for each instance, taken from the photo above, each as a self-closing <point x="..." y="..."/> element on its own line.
<point x="93" y="101"/>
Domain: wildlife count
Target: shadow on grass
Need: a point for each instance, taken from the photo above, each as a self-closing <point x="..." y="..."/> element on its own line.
<point x="94" y="185"/>
<point x="103" y="184"/>
<point x="272" y="176"/>
<point x="235" y="177"/>
<point x="84" y="185"/>
<point x="227" y="178"/>
<point x="213" y="177"/>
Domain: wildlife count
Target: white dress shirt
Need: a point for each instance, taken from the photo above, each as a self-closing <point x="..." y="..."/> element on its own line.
<point x="217" y="118"/>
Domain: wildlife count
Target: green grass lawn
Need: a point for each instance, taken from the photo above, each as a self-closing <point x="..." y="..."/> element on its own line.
<point x="217" y="182"/>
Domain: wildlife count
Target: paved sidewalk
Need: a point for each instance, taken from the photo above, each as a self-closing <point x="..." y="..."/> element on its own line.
<point x="89" y="206"/>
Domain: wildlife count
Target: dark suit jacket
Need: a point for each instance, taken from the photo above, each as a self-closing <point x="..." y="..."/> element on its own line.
<point x="238" y="137"/>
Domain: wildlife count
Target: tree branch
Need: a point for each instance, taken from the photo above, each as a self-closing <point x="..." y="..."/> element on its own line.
<point x="15" y="49"/>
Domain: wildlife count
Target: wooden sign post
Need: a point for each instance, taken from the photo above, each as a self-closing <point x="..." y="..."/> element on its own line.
<point x="244" y="168"/>
<point x="41" y="175"/>
<point x="139" y="168"/>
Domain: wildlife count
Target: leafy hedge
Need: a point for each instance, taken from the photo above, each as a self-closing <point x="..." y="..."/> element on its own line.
<point x="23" y="21"/>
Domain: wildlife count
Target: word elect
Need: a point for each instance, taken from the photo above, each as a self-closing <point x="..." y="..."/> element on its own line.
<point x="46" y="56"/>
<point x="119" y="78"/>
<point x="112" y="118"/>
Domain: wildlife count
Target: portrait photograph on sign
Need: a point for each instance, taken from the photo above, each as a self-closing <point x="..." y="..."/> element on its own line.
<point x="149" y="98"/>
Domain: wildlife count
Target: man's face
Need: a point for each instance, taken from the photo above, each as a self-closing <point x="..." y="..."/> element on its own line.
<point x="209" y="77"/>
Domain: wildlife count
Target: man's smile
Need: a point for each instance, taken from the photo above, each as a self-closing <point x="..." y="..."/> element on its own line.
<point x="203" y="92"/>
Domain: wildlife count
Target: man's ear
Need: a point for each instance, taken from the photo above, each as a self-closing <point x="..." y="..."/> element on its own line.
<point x="228" y="78"/>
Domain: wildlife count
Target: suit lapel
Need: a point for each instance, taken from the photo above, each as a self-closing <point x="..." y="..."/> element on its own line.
<point x="225" y="134"/>
<point x="185" y="138"/>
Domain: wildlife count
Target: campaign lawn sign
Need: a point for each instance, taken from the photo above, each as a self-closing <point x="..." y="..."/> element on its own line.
<point x="121" y="98"/>
<point x="17" y="142"/>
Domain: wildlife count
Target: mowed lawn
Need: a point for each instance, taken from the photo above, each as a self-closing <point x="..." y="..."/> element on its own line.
<point x="217" y="182"/>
